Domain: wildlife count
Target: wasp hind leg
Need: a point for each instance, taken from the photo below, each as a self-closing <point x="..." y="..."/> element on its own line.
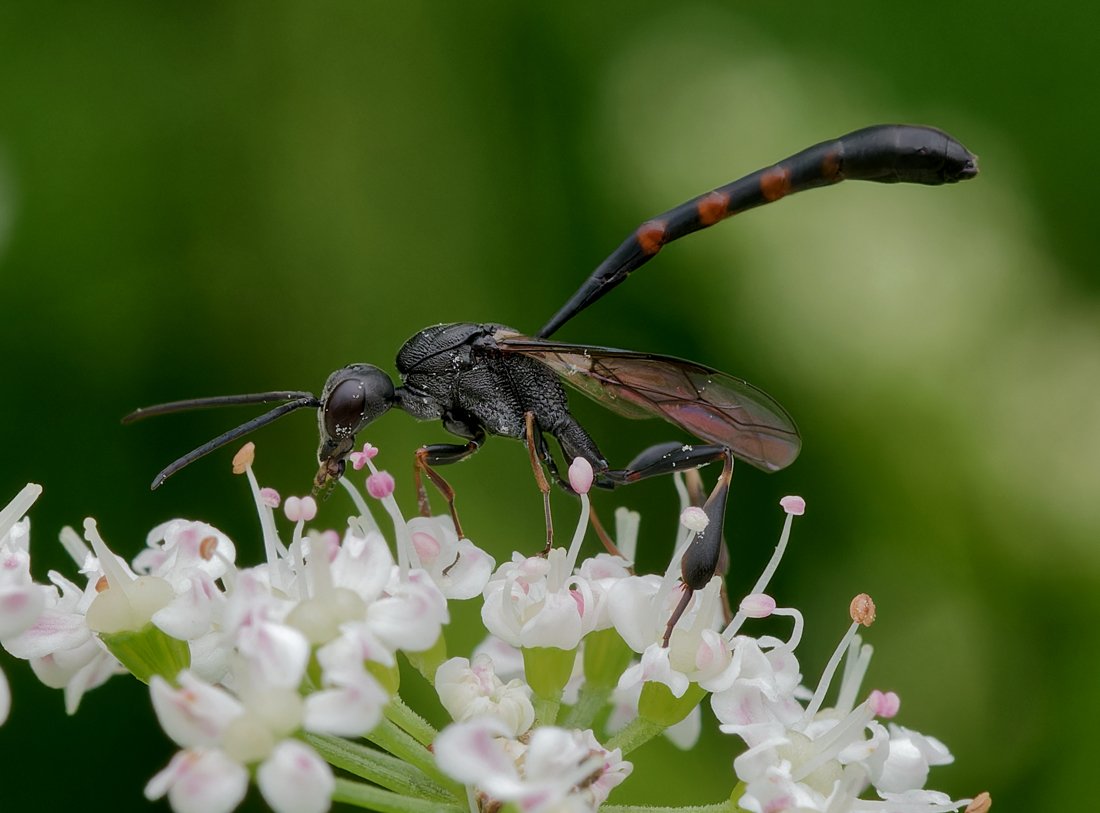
<point x="702" y="559"/>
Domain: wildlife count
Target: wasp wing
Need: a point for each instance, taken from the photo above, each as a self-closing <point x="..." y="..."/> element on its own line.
<point x="705" y="402"/>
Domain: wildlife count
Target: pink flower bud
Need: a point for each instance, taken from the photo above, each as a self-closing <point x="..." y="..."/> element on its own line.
<point x="757" y="605"/>
<point x="793" y="505"/>
<point x="359" y="459"/>
<point x="380" y="485"/>
<point x="580" y="475"/>
<point x="300" y="509"/>
<point x="884" y="704"/>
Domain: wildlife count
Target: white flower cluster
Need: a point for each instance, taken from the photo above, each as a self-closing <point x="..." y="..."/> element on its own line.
<point x="256" y="672"/>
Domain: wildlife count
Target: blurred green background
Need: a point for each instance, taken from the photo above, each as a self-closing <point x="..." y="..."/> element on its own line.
<point x="212" y="198"/>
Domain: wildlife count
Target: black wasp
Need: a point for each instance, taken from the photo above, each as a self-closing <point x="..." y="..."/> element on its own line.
<point x="488" y="379"/>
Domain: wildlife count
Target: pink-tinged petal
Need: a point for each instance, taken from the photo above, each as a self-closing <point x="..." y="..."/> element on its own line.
<point x="194" y="715"/>
<point x="712" y="659"/>
<point x="427" y="546"/>
<point x="294" y="779"/>
<point x="363" y="565"/>
<point x="278" y="653"/>
<point x="351" y="704"/>
<point x="412" y="616"/>
<point x="50" y="633"/>
<point x="556" y="624"/>
<point x="655" y="667"/>
<point x="470" y="752"/>
<point x="20" y="607"/>
<point x="550" y="750"/>
<point x="346" y="711"/>
<point x="468" y="573"/>
<point x="191" y="613"/>
<point x="92" y="675"/>
<point x="200" y="782"/>
<point x="507" y="660"/>
<point x="176" y="546"/>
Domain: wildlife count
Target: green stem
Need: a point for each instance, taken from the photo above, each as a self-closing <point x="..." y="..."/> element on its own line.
<point x="389" y="737"/>
<point x="592" y="699"/>
<point x="735" y="794"/>
<point x="398" y="713"/>
<point x="378" y="767"/>
<point x="383" y="801"/>
<point x="719" y="807"/>
<point x="638" y="731"/>
<point x="546" y="710"/>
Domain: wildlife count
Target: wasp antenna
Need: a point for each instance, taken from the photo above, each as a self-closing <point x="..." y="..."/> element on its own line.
<point x="308" y="400"/>
<point x="217" y="401"/>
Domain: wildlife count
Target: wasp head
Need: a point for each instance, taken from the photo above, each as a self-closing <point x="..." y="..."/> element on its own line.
<point x="353" y="397"/>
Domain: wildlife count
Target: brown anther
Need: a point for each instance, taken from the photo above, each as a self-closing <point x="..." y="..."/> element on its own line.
<point x="207" y="547"/>
<point x="243" y="459"/>
<point x="981" y="803"/>
<point x="862" y="610"/>
<point x="101" y="584"/>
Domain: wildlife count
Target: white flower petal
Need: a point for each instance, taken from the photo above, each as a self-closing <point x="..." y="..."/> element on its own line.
<point x="191" y="613"/>
<point x="467" y="573"/>
<point x="277" y="653"/>
<point x="194" y="715"/>
<point x="685" y="734"/>
<point x="471" y="753"/>
<point x="51" y="632"/>
<point x="630" y="604"/>
<point x="412" y="616"/>
<point x="556" y="624"/>
<point x="200" y="782"/>
<point x="363" y="565"/>
<point x="294" y="779"/>
<point x="94" y="673"/>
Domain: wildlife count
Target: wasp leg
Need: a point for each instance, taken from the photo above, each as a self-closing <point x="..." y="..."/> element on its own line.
<point x="664" y="458"/>
<point x="700" y="561"/>
<point x="697" y="496"/>
<point x="703" y="557"/>
<point x="441" y="454"/>
<point x="536" y="447"/>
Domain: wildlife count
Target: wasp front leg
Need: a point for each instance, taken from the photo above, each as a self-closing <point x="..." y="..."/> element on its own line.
<point x="442" y="454"/>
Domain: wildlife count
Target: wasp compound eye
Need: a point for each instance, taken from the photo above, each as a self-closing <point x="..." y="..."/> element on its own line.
<point x="353" y="397"/>
<point x="344" y="408"/>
